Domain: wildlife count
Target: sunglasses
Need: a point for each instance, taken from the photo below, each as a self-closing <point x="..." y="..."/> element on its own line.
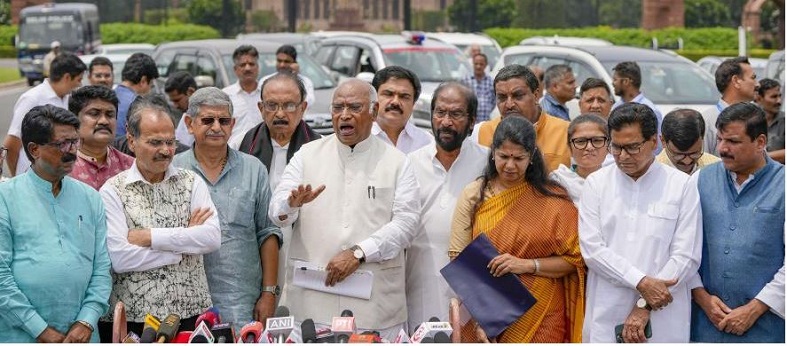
<point x="208" y="121"/>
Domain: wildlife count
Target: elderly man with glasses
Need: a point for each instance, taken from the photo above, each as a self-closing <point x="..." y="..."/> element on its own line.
<point x="355" y="199"/>
<point x="682" y="136"/>
<point x="640" y="232"/>
<point x="54" y="267"/>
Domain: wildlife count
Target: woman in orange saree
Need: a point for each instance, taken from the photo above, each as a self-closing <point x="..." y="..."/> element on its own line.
<point x="533" y="224"/>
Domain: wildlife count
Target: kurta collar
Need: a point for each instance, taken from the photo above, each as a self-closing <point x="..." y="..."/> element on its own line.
<point x="134" y="175"/>
<point x="361" y="147"/>
<point x="653" y="166"/>
<point x="41" y="184"/>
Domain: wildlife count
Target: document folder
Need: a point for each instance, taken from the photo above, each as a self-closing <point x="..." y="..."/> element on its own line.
<point x="494" y="302"/>
<point x="311" y="276"/>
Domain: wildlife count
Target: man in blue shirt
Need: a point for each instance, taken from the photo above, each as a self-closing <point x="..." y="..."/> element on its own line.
<point x="627" y="80"/>
<point x="741" y="296"/>
<point x="482" y="84"/>
<point x="54" y="266"/>
<point x="139" y="74"/>
<point x="561" y="87"/>
<point x="239" y="187"/>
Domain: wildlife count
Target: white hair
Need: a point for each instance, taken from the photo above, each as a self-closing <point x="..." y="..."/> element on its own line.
<point x="372" y="90"/>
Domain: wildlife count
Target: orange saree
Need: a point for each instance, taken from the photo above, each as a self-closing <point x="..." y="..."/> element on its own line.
<point x="526" y="224"/>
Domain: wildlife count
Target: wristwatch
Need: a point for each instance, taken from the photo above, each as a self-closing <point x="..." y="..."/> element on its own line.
<point x="358" y="253"/>
<point x="643" y="304"/>
<point x="275" y="290"/>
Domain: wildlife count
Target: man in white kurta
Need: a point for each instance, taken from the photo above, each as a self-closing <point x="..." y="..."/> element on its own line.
<point x="640" y="233"/>
<point x="442" y="171"/>
<point x="356" y="202"/>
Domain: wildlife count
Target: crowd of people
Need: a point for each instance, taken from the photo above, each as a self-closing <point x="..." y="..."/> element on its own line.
<point x="625" y="225"/>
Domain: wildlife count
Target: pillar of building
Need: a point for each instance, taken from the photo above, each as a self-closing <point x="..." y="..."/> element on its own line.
<point x="658" y="14"/>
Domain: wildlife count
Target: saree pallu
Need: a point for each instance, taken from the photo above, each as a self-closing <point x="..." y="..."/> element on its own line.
<point x="522" y="222"/>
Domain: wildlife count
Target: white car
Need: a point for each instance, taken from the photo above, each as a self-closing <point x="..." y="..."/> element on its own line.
<point x="711" y="64"/>
<point x="126" y="48"/>
<point x="462" y="40"/>
<point x="564" y="41"/>
<point x="669" y="80"/>
<point x="117" y="60"/>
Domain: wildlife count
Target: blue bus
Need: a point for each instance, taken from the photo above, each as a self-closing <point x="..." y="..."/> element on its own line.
<point x="74" y="25"/>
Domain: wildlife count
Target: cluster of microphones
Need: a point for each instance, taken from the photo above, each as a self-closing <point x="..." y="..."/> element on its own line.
<point x="278" y="330"/>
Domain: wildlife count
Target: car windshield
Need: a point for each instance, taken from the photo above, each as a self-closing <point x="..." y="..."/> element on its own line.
<point x="430" y="65"/>
<point x="267" y="61"/>
<point x="43" y="29"/>
<point x="674" y="82"/>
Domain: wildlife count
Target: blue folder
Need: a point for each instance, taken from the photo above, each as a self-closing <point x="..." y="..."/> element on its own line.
<point x="494" y="302"/>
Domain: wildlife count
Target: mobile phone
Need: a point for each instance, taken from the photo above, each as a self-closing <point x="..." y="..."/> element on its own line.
<point x="619" y="332"/>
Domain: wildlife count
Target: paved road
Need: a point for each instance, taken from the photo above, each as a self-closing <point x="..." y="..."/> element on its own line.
<point x="8" y="63"/>
<point x="8" y="97"/>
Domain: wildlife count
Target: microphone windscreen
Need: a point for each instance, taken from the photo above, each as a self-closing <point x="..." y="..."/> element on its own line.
<point x="347" y="313"/>
<point x="282" y="311"/>
<point x="148" y="336"/>
<point x="441" y="338"/>
<point x="250" y="333"/>
<point x="168" y="328"/>
<point x="308" y="331"/>
<point x="434" y="319"/>
<point x="427" y="340"/>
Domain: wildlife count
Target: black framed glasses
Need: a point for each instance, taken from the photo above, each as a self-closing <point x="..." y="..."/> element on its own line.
<point x="208" y="121"/>
<point x="354" y="108"/>
<point x="273" y="106"/>
<point x="631" y="149"/>
<point x="453" y="115"/>
<point x="65" y="145"/>
<point x="682" y="156"/>
<point x="595" y="142"/>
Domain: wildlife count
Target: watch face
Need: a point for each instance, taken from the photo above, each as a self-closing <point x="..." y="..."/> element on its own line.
<point x="358" y="253"/>
<point x="642" y="303"/>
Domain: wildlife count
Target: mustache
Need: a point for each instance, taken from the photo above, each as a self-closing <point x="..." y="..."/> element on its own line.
<point x="103" y="127"/>
<point x="726" y="155"/>
<point x="393" y="106"/>
<point x="161" y="157"/>
<point x="280" y="122"/>
<point x="68" y="157"/>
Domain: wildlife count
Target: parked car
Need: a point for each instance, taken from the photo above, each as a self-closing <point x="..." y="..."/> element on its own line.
<point x="210" y="62"/>
<point x="775" y="67"/>
<point x="303" y="43"/>
<point x="127" y="48"/>
<point x="463" y="41"/>
<point x="669" y="80"/>
<point x="711" y="64"/>
<point x="117" y="60"/>
<point x="361" y="55"/>
<point x="569" y="41"/>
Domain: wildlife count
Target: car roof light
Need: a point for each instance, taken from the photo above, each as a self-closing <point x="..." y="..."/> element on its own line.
<point x="414" y="37"/>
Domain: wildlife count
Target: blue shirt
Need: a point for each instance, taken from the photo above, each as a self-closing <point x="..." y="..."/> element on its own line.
<point x="241" y="195"/>
<point x="54" y="266"/>
<point x="554" y="108"/>
<point x="641" y="99"/>
<point x="485" y="92"/>
<point x="125" y="97"/>
<point x="743" y="247"/>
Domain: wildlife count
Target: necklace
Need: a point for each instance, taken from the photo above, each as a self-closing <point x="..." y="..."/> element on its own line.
<point x="223" y="163"/>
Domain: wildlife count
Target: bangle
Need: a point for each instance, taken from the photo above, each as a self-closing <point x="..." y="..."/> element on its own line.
<point x="536" y="266"/>
<point x="86" y="324"/>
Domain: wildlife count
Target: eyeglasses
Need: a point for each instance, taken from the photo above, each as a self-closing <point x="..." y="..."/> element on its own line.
<point x="454" y="115"/>
<point x="208" y="121"/>
<point x="158" y="143"/>
<point x="273" y="106"/>
<point x="682" y="156"/>
<point x="582" y="142"/>
<point x="65" y="145"/>
<point x="631" y="149"/>
<point x="354" y="108"/>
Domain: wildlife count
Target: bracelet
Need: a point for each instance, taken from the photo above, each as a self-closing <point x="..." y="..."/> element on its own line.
<point x="88" y="325"/>
<point x="536" y="265"/>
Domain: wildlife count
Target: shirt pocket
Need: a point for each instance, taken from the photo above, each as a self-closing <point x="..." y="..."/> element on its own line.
<point x="663" y="218"/>
<point x="240" y="208"/>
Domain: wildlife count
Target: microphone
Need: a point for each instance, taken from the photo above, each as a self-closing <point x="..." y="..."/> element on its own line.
<point x="325" y="336"/>
<point x="401" y="338"/>
<point x="223" y="333"/>
<point x="365" y="338"/>
<point x="201" y="334"/>
<point x="308" y="331"/>
<point x="149" y="331"/>
<point x="343" y="327"/>
<point x="280" y="326"/>
<point x="427" y="340"/>
<point x="182" y="337"/>
<point x="131" y="338"/>
<point x="168" y="328"/>
<point x="210" y="316"/>
<point x="250" y="333"/>
<point x="441" y="338"/>
<point x="429" y="329"/>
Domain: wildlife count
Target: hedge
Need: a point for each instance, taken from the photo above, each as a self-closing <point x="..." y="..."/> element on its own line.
<point x="694" y="38"/>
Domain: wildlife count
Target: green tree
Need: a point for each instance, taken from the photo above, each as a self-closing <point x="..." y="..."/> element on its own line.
<point x="706" y="13"/>
<point x="488" y="14"/>
<point x="225" y="15"/>
<point x="620" y="13"/>
<point x="5" y="12"/>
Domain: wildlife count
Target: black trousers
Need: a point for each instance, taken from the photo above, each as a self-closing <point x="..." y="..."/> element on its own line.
<point x="105" y="328"/>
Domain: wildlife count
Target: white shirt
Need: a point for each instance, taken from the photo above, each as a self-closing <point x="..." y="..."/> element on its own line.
<point x="427" y="292"/>
<point x="386" y="242"/>
<point x="307" y="84"/>
<point x="182" y="132"/>
<point x="278" y="163"/>
<point x="245" y="110"/>
<point x="40" y="95"/>
<point x="410" y="139"/>
<point x="632" y="228"/>
<point x="569" y="180"/>
<point x="166" y="244"/>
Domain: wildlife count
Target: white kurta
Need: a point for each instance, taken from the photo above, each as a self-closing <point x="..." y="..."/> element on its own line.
<point x="629" y="229"/>
<point x="245" y="111"/>
<point x="427" y="292"/>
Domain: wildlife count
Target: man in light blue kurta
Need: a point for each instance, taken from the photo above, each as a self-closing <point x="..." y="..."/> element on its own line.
<point x="741" y="296"/>
<point x="239" y="188"/>
<point x="54" y="267"/>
